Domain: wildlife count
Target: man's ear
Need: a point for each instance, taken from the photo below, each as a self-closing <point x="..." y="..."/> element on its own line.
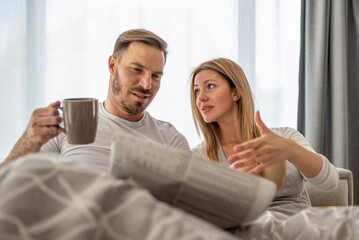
<point x="236" y="95"/>
<point x="112" y="64"/>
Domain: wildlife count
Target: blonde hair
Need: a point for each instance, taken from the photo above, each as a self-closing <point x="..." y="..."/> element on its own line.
<point x="138" y="35"/>
<point x="237" y="79"/>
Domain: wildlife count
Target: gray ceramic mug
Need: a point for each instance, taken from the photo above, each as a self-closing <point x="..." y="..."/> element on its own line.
<point x="80" y="117"/>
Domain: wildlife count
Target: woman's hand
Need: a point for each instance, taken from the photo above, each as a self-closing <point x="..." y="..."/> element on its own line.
<point x="257" y="154"/>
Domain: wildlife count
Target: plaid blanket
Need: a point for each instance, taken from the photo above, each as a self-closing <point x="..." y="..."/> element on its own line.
<point x="45" y="197"/>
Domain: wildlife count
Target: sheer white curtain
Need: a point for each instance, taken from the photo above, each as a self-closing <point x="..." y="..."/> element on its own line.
<point x="22" y="67"/>
<point x="52" y="50"/>
<point x="81" y="34"/>
<point x="277" y="61"/>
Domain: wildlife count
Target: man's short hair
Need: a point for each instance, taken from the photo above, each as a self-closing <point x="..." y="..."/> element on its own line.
<point x="138" y="35"/>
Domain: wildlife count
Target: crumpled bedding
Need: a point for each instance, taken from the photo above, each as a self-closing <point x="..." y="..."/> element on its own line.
<point x="42" y="197"/>
<point x="46" y="197"/>
<point x="332" y="223"/>
<point x="315" y="223"/>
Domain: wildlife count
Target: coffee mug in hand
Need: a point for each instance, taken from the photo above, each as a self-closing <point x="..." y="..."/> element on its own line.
<point x="80" y="119"/>
<point x="276" y="173"/>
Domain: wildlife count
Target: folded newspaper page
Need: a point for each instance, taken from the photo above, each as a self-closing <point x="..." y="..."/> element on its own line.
<point x="220" y="195"/>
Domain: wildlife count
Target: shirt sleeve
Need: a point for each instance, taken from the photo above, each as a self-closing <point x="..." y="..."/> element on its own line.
<point x="328" y="177"/>
<point x="198" y="151"/>
<point x="177" y="139"/>
<point x="53" y="145"/>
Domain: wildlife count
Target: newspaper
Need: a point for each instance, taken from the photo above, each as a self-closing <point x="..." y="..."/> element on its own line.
<point x="220" y="195"/>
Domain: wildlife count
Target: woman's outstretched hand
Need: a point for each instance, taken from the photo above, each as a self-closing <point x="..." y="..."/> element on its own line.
<point x="257" y="154"/>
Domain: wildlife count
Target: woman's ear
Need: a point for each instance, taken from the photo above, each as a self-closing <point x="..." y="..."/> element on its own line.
<point x="236" y="95"/>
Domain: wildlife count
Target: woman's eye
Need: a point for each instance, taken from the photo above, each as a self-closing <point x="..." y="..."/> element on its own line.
<point x="196" y="92"/>
<point x="211" y="85"/>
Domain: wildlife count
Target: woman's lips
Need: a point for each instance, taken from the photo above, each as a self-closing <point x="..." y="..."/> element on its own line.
<point x="205" y="109"/>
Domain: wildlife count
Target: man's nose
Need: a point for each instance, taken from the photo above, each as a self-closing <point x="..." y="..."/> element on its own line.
<point x="146" y="81"/>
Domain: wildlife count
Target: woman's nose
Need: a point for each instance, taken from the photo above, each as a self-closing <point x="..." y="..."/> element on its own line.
<point x="202" y="96"/>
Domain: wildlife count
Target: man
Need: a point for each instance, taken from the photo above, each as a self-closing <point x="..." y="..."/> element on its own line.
<point x="136" y="68"/>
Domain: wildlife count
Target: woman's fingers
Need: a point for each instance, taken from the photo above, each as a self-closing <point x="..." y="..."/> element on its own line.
<point x="266" y="158"/>
<point x="240" y="155"/>
<point x="246" y="169"/>
<point x="252" y="144"/>
<point x="258" y="168"/>
<point x="244" y="163"/>
<point x="249" y="154"/>
<point x="255" y="155"/>
<point x="260" y="124"/>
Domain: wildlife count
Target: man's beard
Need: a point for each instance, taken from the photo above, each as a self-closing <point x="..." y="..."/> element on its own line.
<point x="135" y="108"/>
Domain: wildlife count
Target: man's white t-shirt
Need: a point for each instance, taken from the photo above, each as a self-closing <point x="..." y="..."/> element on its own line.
<point x="97" y="154"/>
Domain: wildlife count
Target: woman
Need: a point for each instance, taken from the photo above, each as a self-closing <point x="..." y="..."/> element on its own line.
<point x="223" y="110"/>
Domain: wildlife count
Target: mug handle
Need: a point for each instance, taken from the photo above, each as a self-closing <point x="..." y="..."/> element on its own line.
<point x="58" y="126"/>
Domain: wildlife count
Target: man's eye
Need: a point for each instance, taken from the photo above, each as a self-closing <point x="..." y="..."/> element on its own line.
<point x="137" y="69"/>
<point x="156" y="77"/>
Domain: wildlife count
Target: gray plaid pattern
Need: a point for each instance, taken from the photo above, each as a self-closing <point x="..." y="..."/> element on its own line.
<point x="333" y="223"/>
<point x="42" y="197"/>
<point x="45" y="197"/>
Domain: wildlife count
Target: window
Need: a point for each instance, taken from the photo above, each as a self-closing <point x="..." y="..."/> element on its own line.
<point x="57" y="49"/>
